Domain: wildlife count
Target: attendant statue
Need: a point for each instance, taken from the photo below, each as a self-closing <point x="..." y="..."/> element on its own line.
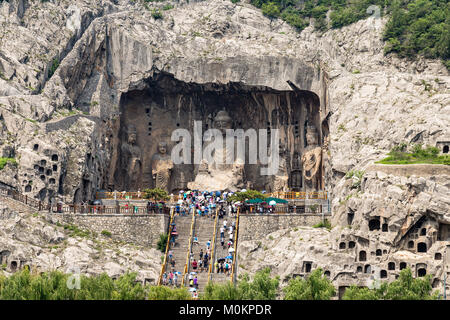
<point x="131" y="155"/>
<point x="162" y="166"/>
<point x="312" y="160"/>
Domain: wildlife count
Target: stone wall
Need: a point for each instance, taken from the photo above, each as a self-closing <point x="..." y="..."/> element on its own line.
<point x="139" y="229"/>
<point x="255" y="226"/>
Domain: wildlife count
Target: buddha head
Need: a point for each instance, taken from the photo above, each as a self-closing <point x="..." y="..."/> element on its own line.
<point x="162" y="148"/>
<point x="311" y="136"/>
<point x="223" y="121"/>
<point x="131" y="134"/>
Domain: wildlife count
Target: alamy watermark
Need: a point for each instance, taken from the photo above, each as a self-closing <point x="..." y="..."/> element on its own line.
<point x="227" y="146"/>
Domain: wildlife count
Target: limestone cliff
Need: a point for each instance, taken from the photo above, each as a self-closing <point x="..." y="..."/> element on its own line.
<point x="69" y="71"/>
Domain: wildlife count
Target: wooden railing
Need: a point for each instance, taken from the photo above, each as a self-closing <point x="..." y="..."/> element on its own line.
<point x="163" y="268"/>
<point x="16" y="195"/>
<point x="187" y="265"/>
<point x="213" y="253"/>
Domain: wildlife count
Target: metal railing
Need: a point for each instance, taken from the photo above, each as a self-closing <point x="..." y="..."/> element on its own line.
<point x="289" y="195"/>
<point x="234" y="262"/>
<point x="301" y="195"/>
<point x="137" y="195"/>
<point x="163" y="268"/>
<point x="213" y="249"/>
<point x="285" y="209"/>
<point x="187" y="265"/>
<point x="118" y="209"/>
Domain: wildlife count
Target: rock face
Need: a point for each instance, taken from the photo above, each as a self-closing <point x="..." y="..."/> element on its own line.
<point x="76" y="78"/>
<point x="29" y="239"/>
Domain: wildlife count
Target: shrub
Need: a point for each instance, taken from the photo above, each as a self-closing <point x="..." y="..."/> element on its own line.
<point x="162" y="242"/>
<point x="156" y="194"/>
<point x="271" y="10"/>
<point x="106" y="233"/>
<point x="4" y="161"/>
<point x="53" y="67"/>
<point x="315" y="287"/>
<point x="323" y="224"/>
<point x="157" y="14"/>
<point x="404" y="288"/>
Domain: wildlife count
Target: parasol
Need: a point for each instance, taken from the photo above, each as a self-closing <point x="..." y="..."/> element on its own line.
<point x="277" y="200"/>
<point x="272" y="202"/>
<point x="229" y="257"/>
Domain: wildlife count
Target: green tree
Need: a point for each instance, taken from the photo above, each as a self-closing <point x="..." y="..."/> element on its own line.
<point x="156" y="194"/>
<point x="225" y="291"/>
<point x="263" y="287"/>
<point x="271" y="10"/>
<point x="247" y="195"/>
<point x="166" y="293"/>
<point x="162" y="242"/>
<point x="404" y="288"/>
<point x="315" y="287"/>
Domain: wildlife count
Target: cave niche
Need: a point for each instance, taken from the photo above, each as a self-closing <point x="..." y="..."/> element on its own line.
<point x="150" y="115"/>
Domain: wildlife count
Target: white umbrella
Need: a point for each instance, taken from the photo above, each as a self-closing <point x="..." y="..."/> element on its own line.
<point x="244" y="190"/>
<point x="180" y="201"/>
<point x="272" y="203"/>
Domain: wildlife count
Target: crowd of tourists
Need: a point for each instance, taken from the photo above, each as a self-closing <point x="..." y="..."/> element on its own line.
<point x="204" y="203"/>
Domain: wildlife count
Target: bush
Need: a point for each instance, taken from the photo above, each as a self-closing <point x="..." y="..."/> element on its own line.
<point x="4" y="161"/>
<point x="25" y="285"/>
<point x="157" y="14"/>
<point x="323" y="224"/>
<point x="53" y="67"/>
<point x="249" y="194"/>
<point x="404" y="288"/>
<point x="414" y="27"/>
<point x="430" y="155"/>
<point x="315" y="287"/>
<point x="162" y="242"/>
<point x="271" y="10"/>
<point x="156" y="194"/>
<point x="106" y="233"/>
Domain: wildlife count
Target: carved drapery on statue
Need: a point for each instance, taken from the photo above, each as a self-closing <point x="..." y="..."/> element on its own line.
<point x="312" y="160"/>
<point x="131" y="156"/>
<point x="162" y="166"/>
<point x="218" y="174"/>
<point x="295" y="179"/>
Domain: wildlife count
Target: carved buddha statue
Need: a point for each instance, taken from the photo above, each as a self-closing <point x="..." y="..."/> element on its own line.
<point x="162" y="166"/>
<point x="312" y="160"/>
<point x="131" y="156"/>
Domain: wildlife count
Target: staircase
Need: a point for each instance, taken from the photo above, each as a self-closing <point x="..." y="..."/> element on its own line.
<point x="183" y="227"/>
<point x="222" y="252"/>
<point x="204" y="229"/>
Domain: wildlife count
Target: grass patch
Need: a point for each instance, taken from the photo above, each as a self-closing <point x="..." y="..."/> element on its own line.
<point x="106" y="233"/>
<point x="418" y="154"/>
<point x="323" y="224"/>
<point x="4" y="161"/>
<point x="77" y="232"/>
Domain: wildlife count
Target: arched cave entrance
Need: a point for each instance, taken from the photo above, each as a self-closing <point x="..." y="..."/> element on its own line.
<point x="362" y="256"/>
<point x="421" y="247"/>
<point x="374" y="224"/>
<point x="150" y="116"/>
